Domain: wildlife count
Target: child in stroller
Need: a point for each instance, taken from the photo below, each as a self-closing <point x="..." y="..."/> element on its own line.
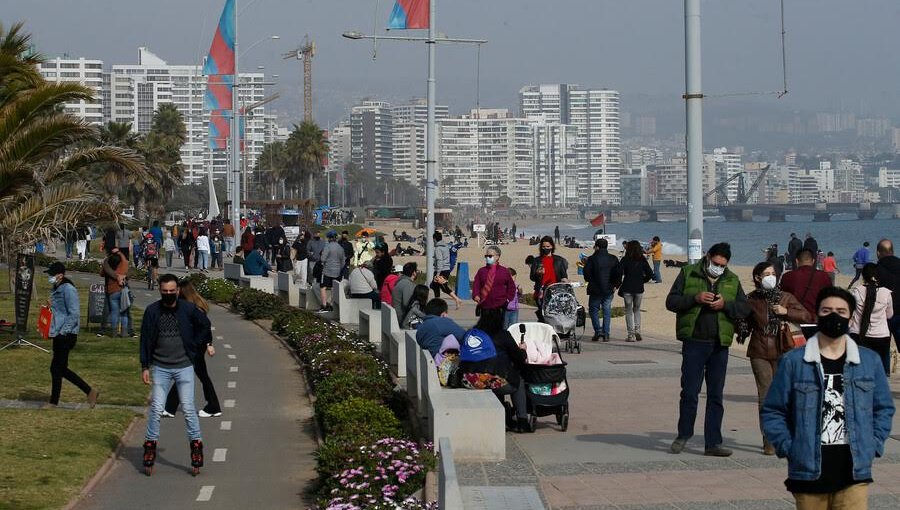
<point x="562" y="311"/>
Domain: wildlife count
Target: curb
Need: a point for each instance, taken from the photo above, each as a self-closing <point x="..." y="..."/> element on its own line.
<point x="105" y="468"/>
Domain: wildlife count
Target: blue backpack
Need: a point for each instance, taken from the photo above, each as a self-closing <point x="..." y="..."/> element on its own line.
<point x="476" y="346"/>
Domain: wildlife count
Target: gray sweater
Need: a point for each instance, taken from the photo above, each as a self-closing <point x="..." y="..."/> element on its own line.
<point x="400" y="296"/>
<point x="332" y="260"/>
<point x="441" y="256"/>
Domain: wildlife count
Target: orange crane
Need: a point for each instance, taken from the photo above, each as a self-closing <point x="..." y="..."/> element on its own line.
<point x="305" y="52"/>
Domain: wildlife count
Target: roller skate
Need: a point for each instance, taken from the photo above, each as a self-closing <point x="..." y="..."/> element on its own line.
<point x="149" y="456"/>
<point x="196" y="456"/>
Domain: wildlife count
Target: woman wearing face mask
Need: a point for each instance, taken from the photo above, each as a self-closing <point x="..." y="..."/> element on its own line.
<point x="874" y="308"/>
<point x="493" y="287"/>
<point x="547" y="269"/>
<point x="771" y="308"/>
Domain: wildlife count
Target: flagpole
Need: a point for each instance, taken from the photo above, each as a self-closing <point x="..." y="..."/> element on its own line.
<point x="430" y="147"/>
<point x="235" y="134"/>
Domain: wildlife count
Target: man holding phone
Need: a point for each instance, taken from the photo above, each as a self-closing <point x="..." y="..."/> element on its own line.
<point x="708" y="300"/>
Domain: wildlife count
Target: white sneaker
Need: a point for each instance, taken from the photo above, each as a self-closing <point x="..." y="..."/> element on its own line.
<point x="204" y="414"/>
<point x="167" y="414"/>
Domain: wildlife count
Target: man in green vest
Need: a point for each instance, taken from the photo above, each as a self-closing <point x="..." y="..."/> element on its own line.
<point x="707" y="299"/>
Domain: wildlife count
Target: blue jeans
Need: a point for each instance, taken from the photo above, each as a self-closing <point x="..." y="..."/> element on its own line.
<point x="116" y="316"/>
<point x="229" y="245"/>
<point x="203" y="257"/>
<point x="699" y="361"/>
<point x="163" y="378"/>
<point x="657" y="277"/>
<point x="511" y="317"/>
<point x="595" y="303"/>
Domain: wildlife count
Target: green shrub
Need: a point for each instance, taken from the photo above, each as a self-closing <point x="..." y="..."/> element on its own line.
<point x="359" y="419"/>
<point x="333" y="360"/>
<point x="43" y="260"/>
<point x="219" y="291"/>
<point x="84" y="266"/>
<point x="341" y="386"/>
<point x="255" y="304"/>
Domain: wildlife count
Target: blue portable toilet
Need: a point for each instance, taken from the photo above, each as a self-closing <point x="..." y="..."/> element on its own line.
<point x="463" y="289"/>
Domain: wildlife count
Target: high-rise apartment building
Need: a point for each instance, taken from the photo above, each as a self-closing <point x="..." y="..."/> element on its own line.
<point x="595" y="114"/>
<point x="554" y="181"/>
<point x="137" y="91"/>
<point x="371" y="138"/>
<point x="485" y="155"/>
<point x="85" y="72"/>
<point x="410" y="131"/>
<point x="338" y="147"/>
<point x="730" y="164"/>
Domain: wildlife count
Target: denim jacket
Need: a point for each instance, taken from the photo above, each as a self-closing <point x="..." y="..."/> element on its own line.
<point x="66" y="310"/>
<point x="792" y="413"/>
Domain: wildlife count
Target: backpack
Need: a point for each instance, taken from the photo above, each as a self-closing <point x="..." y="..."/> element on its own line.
<point x="477" y="346"/>
<point x="150" y="250"/>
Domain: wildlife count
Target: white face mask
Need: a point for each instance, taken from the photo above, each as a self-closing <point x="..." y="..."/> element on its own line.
<point x="51" y="279"/>
<point x="714" y="270"/>
<point x="769" y="282"/>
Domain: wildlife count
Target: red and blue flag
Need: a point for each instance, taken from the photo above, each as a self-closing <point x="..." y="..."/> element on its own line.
<point x="219" y="67"/>
<point x="221" y="52"/>
<point x="409" y="14"/>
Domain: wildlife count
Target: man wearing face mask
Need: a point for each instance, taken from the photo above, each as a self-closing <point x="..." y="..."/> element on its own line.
<point x="771" y="309"/>
<point x="493" y="287"/>
<point x="174" y="333"/>
<point x="708" y="300"/>
<point x="829" y="411"/>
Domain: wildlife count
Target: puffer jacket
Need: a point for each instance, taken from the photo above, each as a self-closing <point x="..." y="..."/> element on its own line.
<point x="763" y="346"/>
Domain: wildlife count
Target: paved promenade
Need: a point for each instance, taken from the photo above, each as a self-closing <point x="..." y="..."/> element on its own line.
<point x="624" y="407"/>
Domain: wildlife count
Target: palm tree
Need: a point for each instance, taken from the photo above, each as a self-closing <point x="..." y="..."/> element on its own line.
<point x="271" y="166"/>
<point x="45" y="153"/>
<point x="307" y="148"/>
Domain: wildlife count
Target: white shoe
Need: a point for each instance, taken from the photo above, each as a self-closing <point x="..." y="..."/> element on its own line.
<point x="204" y="414"/>
<point x="167" y="414"/>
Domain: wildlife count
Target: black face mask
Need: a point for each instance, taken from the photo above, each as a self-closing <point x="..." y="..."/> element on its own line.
<point x="833" y="325"/>
<point x="169" y="299"/>
<point x="546" y="251"/>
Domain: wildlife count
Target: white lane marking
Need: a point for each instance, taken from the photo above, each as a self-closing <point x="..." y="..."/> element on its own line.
<point x="219" y="454"/>
<point x="225" y="425"/>
<point x="232" y="384"/>
<point x="219" y="337"/>
<point x="232" y="356"/>
<point x="227" y="346"/>
<point x="229" y="402"/>
<point x="233" y="369"/>
<point x="148" y="294"/>
<point x="206" y="492"/>
<point x="212" y="328"/>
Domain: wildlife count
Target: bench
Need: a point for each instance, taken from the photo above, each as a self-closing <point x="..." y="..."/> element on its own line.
<point x="312" y="302"/>
<point x="233" y="272"/>
<point x="370" y="325"/>
<point x="474" y="420"/>
<point x="392" y="342"/>
<point x="449" y="495"/>
<point x="287" y="288"/>
<point x="263" y="283"/>
<point x="413" y="371"/>
<point x="347" y="308"/>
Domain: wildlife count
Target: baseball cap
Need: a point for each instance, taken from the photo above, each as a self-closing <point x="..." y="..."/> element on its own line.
<point x="56" y="268"/>
<point x="331" y="234"/>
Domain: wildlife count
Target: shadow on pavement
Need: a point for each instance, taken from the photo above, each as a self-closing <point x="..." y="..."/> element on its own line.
<point x="135" y="457"/>
<point x="660" y="442"/>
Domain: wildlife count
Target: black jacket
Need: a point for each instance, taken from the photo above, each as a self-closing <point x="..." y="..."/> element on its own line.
<point x="812" y="245"/>
<point x="889" y="276"/>
<point x="193" y="324"/>
<point x="635" y="273"/>
<point x="601" y="272"/>
<point x="509" y="363"/>
<point x="794" y="246"/>
<point x="560" y="267"/>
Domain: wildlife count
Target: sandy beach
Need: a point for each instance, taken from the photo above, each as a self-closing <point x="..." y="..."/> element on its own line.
<point x="656" y="321"/>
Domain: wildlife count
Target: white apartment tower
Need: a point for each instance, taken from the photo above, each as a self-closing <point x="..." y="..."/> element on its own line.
<point x="137" y="90"/>
<point x="338" y="147"/>
<point x="371" y="138"/>
<point x="85" y="72"/>
<point x="555" y="177"/>
<point x="485" y="155"/>
<point x="595" y="114"/>
<point x="410" y="130"/>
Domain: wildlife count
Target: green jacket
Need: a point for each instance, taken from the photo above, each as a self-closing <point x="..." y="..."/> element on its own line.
<point x="698" y="322"/>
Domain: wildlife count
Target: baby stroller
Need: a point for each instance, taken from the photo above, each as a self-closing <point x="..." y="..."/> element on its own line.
<point x="561" y="310"/>
<point x="546" y="387"/>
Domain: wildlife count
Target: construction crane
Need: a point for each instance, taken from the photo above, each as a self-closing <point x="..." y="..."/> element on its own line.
<point x="305" y="52"/>
<point x="743" y="195"/>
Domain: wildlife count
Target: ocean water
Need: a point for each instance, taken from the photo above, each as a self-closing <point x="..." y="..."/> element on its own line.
<point x="843" y="235"/>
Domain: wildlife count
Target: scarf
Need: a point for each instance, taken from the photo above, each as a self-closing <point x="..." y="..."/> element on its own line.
<point x="772" y="298"/>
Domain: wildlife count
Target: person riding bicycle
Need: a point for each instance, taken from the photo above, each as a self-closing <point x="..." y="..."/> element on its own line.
<point x="150" y="251"/>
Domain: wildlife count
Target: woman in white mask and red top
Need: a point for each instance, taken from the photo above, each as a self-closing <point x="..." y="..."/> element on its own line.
<point x="772" y="309"/>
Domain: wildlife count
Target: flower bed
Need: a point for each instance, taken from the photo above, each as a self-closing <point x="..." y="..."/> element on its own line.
<point x="367" y="461"/>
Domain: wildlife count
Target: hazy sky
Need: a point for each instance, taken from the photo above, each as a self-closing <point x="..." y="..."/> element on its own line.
<point x="841" y="53"/>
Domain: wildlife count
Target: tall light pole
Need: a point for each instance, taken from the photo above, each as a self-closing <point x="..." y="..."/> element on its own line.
<point x="431" y="124"/>
<point x="694" y="113"/>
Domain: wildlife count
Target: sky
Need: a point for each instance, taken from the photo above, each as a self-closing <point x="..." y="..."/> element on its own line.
<point x="842" y="55"/>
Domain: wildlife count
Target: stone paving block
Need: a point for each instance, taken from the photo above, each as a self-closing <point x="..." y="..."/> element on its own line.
<point x="618" y="467"/>
<point x="562" y="469"/>
<point x="884" y="502"/>
<point x="705" y="505"/>
<point x="764" y="504"/>
<point x="660" y="506"/>
<point x="502" y="498"/>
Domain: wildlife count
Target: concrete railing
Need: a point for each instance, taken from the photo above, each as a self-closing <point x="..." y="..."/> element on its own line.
<point x="347" y="308"/>
<point x="392" y="342"/>
<point x="449" y="495"/>
<point x="287" y="289"/>
<point x="370" y="325"/>
<point x="233" y="272"/>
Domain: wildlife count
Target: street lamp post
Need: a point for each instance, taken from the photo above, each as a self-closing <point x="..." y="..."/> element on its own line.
<point x="431" y="125"/>
<point x="694" y="112"/>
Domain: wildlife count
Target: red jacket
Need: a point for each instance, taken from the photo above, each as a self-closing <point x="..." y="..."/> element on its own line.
<point x="804" y="283"/>
<point x="388" y="287"/>
<point x="502" y="292"/>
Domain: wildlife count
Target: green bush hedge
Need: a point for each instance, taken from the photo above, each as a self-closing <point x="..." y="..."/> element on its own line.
<point x="341" y="386"/>
<point x="359" y="420"/>
<point x="255" y="304"/>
